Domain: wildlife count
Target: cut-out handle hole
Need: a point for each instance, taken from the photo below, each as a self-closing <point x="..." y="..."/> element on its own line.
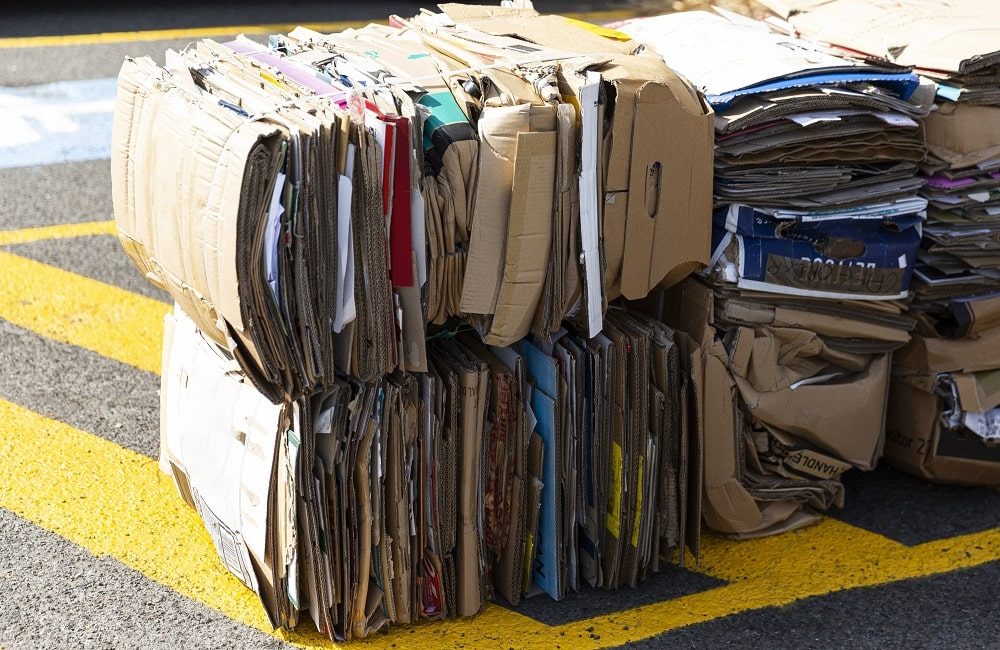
<point x="653" y="175"/>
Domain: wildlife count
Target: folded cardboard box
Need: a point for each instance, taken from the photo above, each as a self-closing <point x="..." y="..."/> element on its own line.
<point x="838" y="257"/>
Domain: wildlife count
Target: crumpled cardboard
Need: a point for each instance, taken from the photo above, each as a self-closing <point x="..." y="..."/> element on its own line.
<point x="768" y="366"/>
<point x="774" y="446"/>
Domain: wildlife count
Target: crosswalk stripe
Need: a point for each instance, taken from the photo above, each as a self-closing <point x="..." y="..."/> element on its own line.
<point x="60" y="231"/>
<point x="213" y="32"/>
<point x="70" y="308"/>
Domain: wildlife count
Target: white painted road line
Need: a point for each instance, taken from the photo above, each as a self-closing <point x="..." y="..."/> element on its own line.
<point x="64" y="121"/>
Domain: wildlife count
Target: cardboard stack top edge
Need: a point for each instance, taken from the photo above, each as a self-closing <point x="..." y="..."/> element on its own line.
<point x="942" y="420"/>
<point x="485" y="304"/>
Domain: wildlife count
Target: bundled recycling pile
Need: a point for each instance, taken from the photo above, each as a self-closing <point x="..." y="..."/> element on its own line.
<point x="816" y="229"/>
<point x="393" y="386"/>
<point x="944" y="420"/>
<point x="436" y="338"/>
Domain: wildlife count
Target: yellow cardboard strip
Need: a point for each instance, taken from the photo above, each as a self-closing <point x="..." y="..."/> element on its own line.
<point x="84" y="312"/>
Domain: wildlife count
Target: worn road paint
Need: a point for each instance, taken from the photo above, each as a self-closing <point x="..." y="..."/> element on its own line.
<point x="113" y="501"/>
<point x="213" y="32"/>
<point x="62" y="121"/>
<point x="70" y="308"/>
<point x="61" y="231"/>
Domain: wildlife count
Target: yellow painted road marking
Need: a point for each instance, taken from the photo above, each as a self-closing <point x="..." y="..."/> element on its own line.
<point x="61" y="231"/>
<point x="828" y="557"/>
<point x="70" y="308"/>
<point x="114" y="501"/>
<point x="214" y="32"/>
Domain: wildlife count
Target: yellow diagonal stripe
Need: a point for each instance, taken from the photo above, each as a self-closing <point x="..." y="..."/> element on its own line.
<point x="70" y="308"/>
<point x="60" y="231"/>
<point x="215" y="32"/>
<point x="114" y="501"/>
<point x="773" y="571"/>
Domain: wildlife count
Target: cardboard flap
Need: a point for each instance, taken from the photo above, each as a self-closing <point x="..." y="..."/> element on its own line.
<point x="727" y="506"/>
<point x="670" y="191"/>
<point x="852" y="431"/>
<point x="529" y="238"/>
<point x="970" y="354"/>
<point x="498" y="130"/>
<point x="979" y="391"/>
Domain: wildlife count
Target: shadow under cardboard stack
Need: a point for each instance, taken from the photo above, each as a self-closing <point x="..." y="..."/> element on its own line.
<point x="944" y="421"/>
<point x="393" y="386"/>
<point x="815" y="235"/>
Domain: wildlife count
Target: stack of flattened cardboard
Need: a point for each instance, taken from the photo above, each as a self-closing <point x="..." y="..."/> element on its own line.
<point x="816" y="230"/>
<point x="393" y="386"/>
<point x="502" y="471"/>
<point x="943" y="412"/>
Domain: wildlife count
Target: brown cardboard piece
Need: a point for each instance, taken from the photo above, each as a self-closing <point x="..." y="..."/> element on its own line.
<point x="529" y="237"/>
<point x="963" y="133"/>
<point x="499" y="128"/>
<point x="918" y="444"/>
<point x="970" y="354"/>
<point x="940" y="37"/>
<point x="852" y="431"/>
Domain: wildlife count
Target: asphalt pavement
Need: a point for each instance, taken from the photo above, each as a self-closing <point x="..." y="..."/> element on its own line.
<point x="97" y="552"/>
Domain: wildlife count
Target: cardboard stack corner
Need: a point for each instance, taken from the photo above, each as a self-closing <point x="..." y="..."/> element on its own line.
<point x="943" y="415"/>
<point x="398" y="380"/>
<point x="816" y="228"/>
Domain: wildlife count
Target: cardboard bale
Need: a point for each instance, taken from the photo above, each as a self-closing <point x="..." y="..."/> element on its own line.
<point x="956" y="45"/>
<point x="774" y="449"/>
